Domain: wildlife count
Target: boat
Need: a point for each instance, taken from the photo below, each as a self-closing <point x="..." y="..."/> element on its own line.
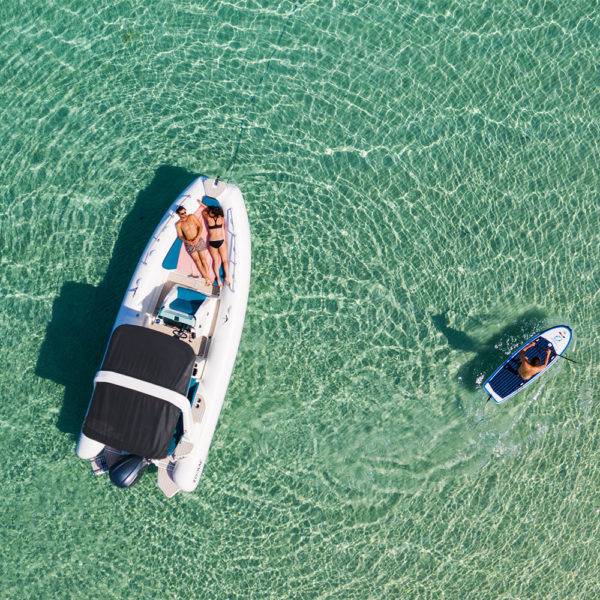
<point x="159" y="391"/>
<point x="505" y="381"/>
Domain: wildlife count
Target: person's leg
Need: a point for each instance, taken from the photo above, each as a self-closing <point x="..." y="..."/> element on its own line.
<point x="216" y="262"/>
<point x="202" y="266"/>
<point x="205" y="258"/>
<point x="223" y="254"/>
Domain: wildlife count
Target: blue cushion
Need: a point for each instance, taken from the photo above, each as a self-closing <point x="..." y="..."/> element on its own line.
<point x="208" y="201"/>
<point x="187" y="301"/>
<point x="172" y="257"/>
<point x="221" y="274"/>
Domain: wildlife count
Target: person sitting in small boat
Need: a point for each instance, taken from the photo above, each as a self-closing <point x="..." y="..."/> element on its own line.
<point x="530" y="367"/>
<point x="217" y="244"/>
<point x="190" y="230"/>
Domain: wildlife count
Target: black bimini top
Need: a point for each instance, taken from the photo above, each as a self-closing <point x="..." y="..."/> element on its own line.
<point x="129" y="420"/>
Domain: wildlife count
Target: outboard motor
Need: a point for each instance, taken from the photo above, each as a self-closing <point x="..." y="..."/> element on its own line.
<point x="128" y="470"/>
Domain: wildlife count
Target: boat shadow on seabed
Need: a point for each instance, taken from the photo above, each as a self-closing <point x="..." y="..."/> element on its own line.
<point x="490" y="353"/>
<point x="83" y="314"/>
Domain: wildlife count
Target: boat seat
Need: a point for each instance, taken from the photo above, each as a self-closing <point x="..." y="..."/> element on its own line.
<point x="181" y="306"/>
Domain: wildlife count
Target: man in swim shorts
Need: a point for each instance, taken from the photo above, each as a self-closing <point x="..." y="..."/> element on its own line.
<point x="530" y="367"/>
<point x="190" y="230"/>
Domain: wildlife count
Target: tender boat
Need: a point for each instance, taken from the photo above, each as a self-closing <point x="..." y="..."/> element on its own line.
<point x="159" y="391"/>
<point x="505" y="381"/>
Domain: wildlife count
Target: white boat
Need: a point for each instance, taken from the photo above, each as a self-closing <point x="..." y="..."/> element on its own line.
<point x="159" y="392"/>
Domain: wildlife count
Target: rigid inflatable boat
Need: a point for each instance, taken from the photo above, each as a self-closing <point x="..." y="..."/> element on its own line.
<point x="159" y="391"/>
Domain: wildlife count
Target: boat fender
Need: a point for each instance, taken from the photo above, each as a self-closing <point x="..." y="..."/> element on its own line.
<point x="128" y="470"/>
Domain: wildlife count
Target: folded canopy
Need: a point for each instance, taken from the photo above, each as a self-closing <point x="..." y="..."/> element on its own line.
<point x="129" y="420"/>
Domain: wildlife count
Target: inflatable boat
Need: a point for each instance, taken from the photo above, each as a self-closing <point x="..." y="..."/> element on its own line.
<point x="159" y="391"/>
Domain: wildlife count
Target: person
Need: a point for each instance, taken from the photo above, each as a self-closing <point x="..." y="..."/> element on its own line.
<point x="190" y="230"/>
<point x="530" y="367"/>
<point x="217" y="244"/>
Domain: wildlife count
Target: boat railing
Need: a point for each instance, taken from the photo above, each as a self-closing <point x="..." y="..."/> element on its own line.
<point x="156" y="237"/>
<point x="232" y="249"/>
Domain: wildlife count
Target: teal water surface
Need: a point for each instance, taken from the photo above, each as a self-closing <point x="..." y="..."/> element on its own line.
<point x="422" y="185"/>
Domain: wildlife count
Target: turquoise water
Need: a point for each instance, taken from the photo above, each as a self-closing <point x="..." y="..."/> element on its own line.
<point x="422" y="185"/>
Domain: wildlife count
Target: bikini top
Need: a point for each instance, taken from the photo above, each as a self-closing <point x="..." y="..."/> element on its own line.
<point x="215" y="226"/>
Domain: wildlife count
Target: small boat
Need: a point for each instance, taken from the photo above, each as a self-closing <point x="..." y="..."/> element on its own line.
<point x="159" y="391"/>
<point x="505" y="381"/>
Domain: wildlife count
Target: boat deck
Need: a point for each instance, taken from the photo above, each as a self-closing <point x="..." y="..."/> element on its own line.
<point x="206" y="325"/>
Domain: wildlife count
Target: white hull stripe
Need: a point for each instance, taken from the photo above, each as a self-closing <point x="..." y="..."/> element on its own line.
<point x="131" y="383"/>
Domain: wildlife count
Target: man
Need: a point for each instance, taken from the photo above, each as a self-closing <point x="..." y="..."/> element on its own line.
<point x="190" y="230"/>
<point x="530" y="367"/>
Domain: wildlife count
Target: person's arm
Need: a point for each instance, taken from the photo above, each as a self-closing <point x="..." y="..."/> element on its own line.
<point x="530" y="345"/>
<point x="179" y="232"/>
<point x="548" y="353"/>
<point x="200" y="227"/>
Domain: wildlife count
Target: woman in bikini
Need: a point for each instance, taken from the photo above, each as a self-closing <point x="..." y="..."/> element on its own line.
<point x="217" y="245"/>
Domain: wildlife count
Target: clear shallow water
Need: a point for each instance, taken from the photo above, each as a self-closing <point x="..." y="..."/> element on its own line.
<point x="421" y="181"/>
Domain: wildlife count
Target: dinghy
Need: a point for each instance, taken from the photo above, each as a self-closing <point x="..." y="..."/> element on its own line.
<point x="505" y="381"/>
<point x="159" y="391"/>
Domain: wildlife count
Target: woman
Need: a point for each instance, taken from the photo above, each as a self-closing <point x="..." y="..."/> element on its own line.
<point x="217" y="245"/>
